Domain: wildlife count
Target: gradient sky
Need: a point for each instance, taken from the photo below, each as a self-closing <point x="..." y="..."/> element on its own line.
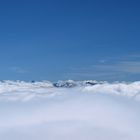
<point x="70" y="39"/>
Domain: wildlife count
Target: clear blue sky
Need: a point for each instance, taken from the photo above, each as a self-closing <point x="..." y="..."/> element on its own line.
<point x="70" y="39"/>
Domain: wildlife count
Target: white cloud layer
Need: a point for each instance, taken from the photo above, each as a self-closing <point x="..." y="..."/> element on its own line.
<point x="34" y="111"/>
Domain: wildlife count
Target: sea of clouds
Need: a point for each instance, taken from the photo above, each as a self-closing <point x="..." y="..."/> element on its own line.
<point x="41" y="111"/>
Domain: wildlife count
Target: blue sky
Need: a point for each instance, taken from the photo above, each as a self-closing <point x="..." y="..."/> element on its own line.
<point x="75" y="39"/>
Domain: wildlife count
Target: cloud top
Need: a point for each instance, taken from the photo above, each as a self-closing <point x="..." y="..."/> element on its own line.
<point x="66" y="110"/>
<point x="24" y="91"/>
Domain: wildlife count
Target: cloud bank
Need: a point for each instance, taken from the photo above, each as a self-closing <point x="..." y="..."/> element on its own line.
<point x="84" y="110"/>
